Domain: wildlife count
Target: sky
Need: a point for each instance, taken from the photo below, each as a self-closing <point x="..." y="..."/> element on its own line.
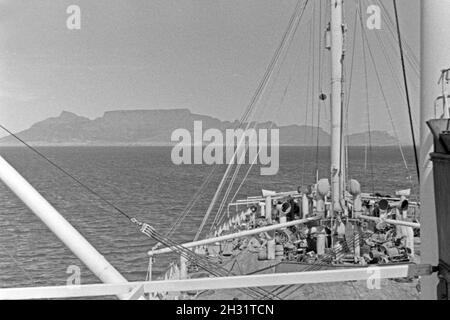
<point x="205" y="55"/>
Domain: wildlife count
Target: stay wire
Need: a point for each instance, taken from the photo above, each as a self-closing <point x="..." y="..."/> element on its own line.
<point x="294" y="22"/>
<point x="401" y="89"/>
<point x="202" y="262"/>
<point x="366" y="83"/>
<point x="68" y="174"/>
<point x="408" y="101"/>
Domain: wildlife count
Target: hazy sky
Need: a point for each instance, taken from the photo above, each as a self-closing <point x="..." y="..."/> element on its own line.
<point x="205" y="55"/>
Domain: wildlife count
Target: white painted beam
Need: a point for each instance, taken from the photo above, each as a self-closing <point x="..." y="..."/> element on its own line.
<point x="236" y="235"/>
<point x="235" y="282"/>
<point x="393" y="222"/>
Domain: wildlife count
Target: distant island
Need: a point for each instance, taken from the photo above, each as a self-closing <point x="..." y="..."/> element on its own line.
<point x="155" y="127"/>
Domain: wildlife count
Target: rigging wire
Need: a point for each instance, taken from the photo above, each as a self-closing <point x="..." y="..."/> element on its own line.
<point x="160" y="237"/>
<point x="219" y="215"/>
<point x="395" y="78"/>
<point x="287" y="37"/>
<point x="319" y="264"/>
<point x="68" y="174"/>
<point x="409" y="53"/>
<point x="368" y="153"/>
<point x="308" y="89"/>
<point x="262" y="86"/>
<point x="254" y="161"/>
<point x="401" y="89"/>
<point x="349" y="90"/>
<point x="378" y="78"/>
<point x="313" y="92"/>
<point x="155" y="235"/>
<point x="202" y="262"/>
<point x="411" y="122"/>
<point x="320" y="101"/>
<point x="279" y="105"/>
<point x="191" y="204"/>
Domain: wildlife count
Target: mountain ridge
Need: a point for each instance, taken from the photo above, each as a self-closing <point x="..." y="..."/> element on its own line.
<point x="155" y="127"/>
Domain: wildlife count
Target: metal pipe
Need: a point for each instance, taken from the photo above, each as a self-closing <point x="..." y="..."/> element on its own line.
<point x="236" y="235"/>
<point x="269" y="209"/>
<point x="59" y="226"/>
<point x="411" y="203"/>
<point x="393" y="222"/>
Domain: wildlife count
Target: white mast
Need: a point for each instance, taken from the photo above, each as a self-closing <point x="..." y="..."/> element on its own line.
<point x="435" y="56"/>
<point x="337" y="59"/>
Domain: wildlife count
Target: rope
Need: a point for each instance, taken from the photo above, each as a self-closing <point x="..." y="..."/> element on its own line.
<point x="308" y="88"/>
<point x="191" y="204"/>
<point x="318" y="265"/>
<point x="219" y="215"/>
<point x="202" y="262"/>
<point x="350" y="82"/>
<point x="320" y="102"/>
<point x="412" y="59"/>
<point x="368" y="110"/>
<point x="67" y="174"/>
<point x="287" y="37"/>
<point x="407" y="90"/>
<point x="399" y="86"/>
<point x="279" y="105"/>
<point x="378" y="77"/>
<point x="380" y="84"/>
<point x="271" y="126"/>
<point x="313" y="92"/>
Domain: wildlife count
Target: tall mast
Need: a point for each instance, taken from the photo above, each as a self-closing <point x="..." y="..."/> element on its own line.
<point x="337" y="59"/>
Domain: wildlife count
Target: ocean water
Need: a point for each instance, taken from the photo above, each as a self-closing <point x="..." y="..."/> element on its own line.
<point x="143" y="182"/>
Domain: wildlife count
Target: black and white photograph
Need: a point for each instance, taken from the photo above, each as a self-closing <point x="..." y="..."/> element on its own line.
<point x="225" y="154"/>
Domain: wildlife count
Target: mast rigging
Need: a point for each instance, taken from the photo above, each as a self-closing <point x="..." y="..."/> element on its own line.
<point x="407" y="91"/>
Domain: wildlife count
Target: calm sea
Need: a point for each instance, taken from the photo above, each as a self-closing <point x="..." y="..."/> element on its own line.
<point x="143" y="182"/>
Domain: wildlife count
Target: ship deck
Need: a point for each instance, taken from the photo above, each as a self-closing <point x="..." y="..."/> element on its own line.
<point x="247" y="262"/>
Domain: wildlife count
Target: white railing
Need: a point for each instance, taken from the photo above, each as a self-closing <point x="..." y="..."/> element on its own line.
<point x="237" y="235"/>
<point x="135" y="290"/>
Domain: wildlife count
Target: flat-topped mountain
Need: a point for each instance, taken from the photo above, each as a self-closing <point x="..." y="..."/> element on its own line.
<point x="155" y="127"/>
